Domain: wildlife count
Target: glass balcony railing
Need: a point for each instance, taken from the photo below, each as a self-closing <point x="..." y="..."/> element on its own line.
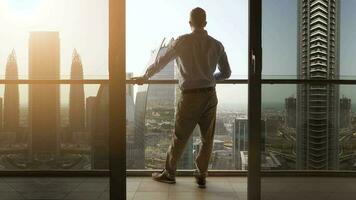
<point x="54" y="127"/>
<point x="150" y="124"/>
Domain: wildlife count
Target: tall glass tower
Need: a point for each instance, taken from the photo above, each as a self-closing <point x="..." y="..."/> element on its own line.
<point x="317" y="105"/>
<point x="44" y="63"/>
<point x="11" y="96"/>
<point x="76" y="95"/>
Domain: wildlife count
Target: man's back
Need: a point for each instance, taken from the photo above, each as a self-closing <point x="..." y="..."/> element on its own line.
<point x="198" y="55"/>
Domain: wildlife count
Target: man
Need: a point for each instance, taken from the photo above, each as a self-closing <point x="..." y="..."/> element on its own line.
<point x="197" y="55"/>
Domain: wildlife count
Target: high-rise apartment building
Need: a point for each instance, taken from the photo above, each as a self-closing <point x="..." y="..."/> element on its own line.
<point x="317" y="105"/>
<point x="11" y="96"/>
<point x="76" y="96"/>
<point x="44" y="63"/>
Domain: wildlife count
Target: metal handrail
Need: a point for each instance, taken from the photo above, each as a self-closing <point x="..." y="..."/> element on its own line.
<point x="52" y="81"/>
<point x="172" y="81"/>
<point x="263" y="81"/>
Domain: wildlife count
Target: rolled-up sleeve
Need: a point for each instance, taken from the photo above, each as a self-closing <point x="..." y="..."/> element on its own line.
<point x="223" y="66"/>
<point x="162" y="61"/>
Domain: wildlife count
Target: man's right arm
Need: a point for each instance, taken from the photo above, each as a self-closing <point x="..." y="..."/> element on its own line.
<point x="223" y="66"/>
<point x="162" y="61"/>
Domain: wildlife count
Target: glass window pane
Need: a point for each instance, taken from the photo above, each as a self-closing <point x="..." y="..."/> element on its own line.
<point x="279" y="39"/>
<point x="309" y="129"/>
<point x="150" y="124"/>
<point x="55" y="28"/>
<point x="151" y="22"/>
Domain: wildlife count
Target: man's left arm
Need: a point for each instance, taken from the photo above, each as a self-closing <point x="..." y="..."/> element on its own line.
<point x="223" y="66"/>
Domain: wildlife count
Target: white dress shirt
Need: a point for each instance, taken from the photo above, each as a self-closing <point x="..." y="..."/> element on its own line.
<point x="197" y="55"/>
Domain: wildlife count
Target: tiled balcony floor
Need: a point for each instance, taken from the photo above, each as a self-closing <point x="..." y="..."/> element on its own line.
<point x="218" y="188"/>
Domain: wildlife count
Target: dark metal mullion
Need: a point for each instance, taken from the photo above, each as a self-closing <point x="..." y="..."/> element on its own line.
<point x="254" y="101"/>
<point x="117" y="122"/>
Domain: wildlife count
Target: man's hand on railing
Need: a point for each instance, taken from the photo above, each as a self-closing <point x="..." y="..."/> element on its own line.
<point x="140" y="80"/>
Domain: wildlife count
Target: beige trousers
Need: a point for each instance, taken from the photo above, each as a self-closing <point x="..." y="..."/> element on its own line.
<point x="192" y="109"/>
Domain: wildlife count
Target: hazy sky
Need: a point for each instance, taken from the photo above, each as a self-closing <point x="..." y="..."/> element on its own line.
<point x="83" y="24"/>
<point x="279" y="40"/>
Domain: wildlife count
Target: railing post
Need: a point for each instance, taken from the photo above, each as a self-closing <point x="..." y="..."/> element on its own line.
<point x="117" y="74"/>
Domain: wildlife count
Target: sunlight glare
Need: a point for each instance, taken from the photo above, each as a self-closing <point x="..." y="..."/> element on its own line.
<point x="23" y="11"/>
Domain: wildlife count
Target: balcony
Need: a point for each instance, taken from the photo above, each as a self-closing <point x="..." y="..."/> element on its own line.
<point x="283" y="131"/>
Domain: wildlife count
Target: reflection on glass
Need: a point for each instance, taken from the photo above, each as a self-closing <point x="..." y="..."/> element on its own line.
<point x="286" y="144"/>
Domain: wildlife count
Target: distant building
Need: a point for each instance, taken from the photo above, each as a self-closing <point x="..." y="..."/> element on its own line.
<point x="129" y="87"/>
<point x="100" y="129"/>
<point x="160" y="97"/>
<point x="345" y="112"/>
<point x="317" y="104"/>
<point x="290" y="107"/>
<point x="89" y="112"/>
<point x="44" y="63"/>
<point x="11" y="97"/>
<point x="240" y="140"/>
<point x="140" y="126"/>
<point x="97" y="109"/>
<point x="220" y="128"/>
<point x="76" y="96"/>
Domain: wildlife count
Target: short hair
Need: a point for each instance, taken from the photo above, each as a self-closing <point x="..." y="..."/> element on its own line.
<point x="198" y="17"/>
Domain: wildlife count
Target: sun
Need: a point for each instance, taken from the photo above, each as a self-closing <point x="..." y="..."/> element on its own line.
<point x="21" y="12"/>
<point x="23" y="7"/>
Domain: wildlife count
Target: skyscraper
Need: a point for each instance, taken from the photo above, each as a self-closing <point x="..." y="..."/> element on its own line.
<point x="155" y="106"/>
<point x="98" y="124"/>
<point x="240" y="140"/>
<point x="89" y="112"/>
<point x="129" y="87"/>
<point x="159" y="98"/>
<point x="345" y="112"/>
<point x="100" y="129"/>
<point x="44" y="62"/>
<point x="76" y="96"/>
<point x="317" y="105"/>
<point x="11" y="96"/>
<point x="290" y="112"/>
